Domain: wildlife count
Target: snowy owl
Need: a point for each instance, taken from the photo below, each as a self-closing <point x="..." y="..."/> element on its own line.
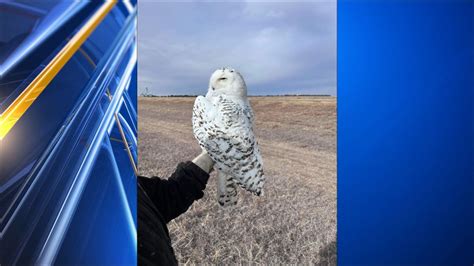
<point x="223" y="126"/>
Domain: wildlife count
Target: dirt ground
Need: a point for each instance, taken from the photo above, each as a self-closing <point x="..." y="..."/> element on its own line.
<point x="294" y="222"/>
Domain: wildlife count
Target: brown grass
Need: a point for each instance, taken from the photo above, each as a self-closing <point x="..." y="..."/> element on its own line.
<point x="294" y="223"/>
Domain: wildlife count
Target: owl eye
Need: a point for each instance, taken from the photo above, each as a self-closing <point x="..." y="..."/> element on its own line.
<point x="222" y="79"/>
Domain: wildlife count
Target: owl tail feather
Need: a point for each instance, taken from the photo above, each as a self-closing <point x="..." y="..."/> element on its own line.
<point x="226" y="190"/>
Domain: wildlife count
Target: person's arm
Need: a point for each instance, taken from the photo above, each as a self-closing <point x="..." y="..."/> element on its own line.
<point x="175" y="195"/>
<point x="204" y="162"/>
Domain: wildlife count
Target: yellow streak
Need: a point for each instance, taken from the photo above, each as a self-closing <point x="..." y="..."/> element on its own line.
<point x="14" y="112"/>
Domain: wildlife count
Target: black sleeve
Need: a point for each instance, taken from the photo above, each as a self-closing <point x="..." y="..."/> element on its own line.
<point x="173" y="197"/>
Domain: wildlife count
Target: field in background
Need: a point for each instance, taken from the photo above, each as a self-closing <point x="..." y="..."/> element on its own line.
<point x="295" y="222"/>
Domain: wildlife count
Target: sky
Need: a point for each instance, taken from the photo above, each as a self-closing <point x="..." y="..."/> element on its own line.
<point x="278" y="47"/>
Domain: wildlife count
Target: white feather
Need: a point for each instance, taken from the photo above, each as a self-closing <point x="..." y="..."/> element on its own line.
<point x="223" y="126"/>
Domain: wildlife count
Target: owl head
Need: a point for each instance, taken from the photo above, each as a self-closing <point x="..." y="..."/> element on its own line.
<point x="227" y="81"/>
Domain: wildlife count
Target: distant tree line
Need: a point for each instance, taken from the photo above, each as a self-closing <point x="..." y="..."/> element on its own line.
<point x="296" y="94"/>
<point x="146" y="93"/>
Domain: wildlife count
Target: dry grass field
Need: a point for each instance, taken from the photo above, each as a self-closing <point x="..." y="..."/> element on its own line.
<point x="293" y="223"/>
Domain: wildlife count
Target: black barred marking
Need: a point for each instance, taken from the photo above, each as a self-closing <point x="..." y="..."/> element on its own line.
<point x="239" y="158"/>
<point x="247" y="179"/>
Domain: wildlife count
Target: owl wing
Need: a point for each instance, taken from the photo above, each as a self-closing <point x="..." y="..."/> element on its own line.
<point x="203" y="118"/>
<point x="229" y="140"/>
<point x="240" y="157"/>
<point x="208" y="127"/>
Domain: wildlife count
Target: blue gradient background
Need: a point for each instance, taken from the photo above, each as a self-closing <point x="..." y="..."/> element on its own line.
<point x="67" y="184"/>
<point x="405" y="132"/>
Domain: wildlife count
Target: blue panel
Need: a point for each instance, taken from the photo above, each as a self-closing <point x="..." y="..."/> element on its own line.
<point x="68" y="190"/>
<point x="405" y="132"/>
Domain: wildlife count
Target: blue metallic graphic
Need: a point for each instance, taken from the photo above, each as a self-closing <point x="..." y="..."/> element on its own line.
<point x="29" y="25"/>
<point x="68" y="165"/>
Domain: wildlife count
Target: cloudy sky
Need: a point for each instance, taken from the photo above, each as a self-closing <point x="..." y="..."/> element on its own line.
<point x="279" y="47"/>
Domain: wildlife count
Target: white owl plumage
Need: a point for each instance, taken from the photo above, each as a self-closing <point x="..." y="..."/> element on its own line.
<point x="223" y="126"/>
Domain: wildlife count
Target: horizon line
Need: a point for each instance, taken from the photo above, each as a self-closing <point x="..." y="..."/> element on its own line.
<point x="255" y="95"/>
